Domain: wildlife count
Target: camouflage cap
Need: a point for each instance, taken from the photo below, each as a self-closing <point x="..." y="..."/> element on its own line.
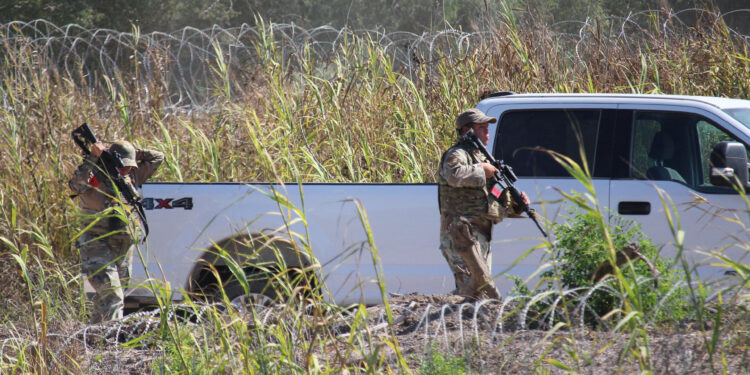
<point x="472" y="116"/>
<point x="126" y="151"/>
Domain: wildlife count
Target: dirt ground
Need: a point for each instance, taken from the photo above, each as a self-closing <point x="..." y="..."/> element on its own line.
<point x="487" y="344"/>
<point x="469" y="337"/>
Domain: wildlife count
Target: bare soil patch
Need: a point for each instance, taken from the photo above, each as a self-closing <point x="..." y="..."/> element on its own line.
<point x="473" y="336"/>
<point x="487" y="344"/>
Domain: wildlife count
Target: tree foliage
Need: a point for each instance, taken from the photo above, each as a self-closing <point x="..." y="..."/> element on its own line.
<point x="391" y="15"/>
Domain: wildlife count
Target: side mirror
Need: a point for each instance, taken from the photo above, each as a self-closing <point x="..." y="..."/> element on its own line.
<point x="729" y="165"/>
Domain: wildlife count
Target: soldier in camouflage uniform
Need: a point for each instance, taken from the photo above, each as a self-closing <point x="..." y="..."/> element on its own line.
<point x="468" y="211"/>
<point x="107" y="247"/>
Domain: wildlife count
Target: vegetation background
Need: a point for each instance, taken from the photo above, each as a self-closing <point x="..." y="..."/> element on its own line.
<point x="368" y="99"/>
<point x="390" y="15"/>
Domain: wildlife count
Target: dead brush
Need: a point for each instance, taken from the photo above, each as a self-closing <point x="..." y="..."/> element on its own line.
<point x="332" y="106"/>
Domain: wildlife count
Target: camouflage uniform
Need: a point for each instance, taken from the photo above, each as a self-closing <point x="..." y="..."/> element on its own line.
<point x="107" y="247"/>
<point x="467" y="214"/>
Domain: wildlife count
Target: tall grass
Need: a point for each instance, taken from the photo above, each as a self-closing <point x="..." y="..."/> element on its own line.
<point x="351" y="116"/>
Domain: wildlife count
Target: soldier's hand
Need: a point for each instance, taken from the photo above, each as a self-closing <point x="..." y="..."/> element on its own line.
<point x="525" y="198"/>
<point x="516" y="206"/>
<point x="489" y="170"/>
<point x="97" y="148"/>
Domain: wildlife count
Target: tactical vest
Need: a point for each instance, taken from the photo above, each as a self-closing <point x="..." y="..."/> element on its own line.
<point x="475" y="201"/>
<point x="106" y="188"/>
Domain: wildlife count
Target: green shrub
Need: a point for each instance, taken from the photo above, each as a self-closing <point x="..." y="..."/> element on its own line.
<point x="580" y="247"/>
<point x="436" y="362"/>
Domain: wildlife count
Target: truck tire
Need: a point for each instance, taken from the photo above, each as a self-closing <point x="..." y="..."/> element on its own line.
<point x="262" y="293"/>
<point x="240" y="300"/>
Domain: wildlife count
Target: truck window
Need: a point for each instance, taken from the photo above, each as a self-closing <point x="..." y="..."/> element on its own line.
<point x="526" y="136"/>
<point x="708" y="136"/>
<point x="740" y="114"/>
<point x="674" y="146"/>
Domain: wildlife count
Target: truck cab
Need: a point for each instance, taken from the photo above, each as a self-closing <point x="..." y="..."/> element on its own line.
<point x="649" y="157"/>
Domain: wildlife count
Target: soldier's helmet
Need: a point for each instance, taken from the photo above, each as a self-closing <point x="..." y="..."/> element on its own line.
<point x="126" y="151"/>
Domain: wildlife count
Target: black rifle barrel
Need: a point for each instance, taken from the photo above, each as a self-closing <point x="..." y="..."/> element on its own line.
<point x="505" y="177"/>
<point x="109" y="161"/>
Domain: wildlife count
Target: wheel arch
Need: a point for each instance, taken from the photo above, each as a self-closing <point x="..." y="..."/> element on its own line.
<point x="248" y="250"/>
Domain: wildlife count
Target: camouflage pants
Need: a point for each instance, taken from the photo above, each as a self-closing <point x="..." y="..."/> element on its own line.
<point x="107" y="262"/>
<point x="468" y="235"/>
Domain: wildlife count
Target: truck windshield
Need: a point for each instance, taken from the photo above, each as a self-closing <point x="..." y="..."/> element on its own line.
<point x="740" y="114"/>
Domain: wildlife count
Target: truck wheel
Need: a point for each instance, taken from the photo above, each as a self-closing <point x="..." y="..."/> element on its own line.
<point x="241" y="300"/>
<point x="305" y="287"/>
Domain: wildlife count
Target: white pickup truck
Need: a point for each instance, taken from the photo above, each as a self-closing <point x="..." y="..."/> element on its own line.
<point x="636" y="146"/>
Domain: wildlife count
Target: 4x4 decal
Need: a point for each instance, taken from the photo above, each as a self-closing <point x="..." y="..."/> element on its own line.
<point x="169" y="203"/>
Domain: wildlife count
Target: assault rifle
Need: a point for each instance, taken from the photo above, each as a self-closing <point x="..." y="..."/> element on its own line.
<point x="108" y="162"/>
<point x="504" y="179"/>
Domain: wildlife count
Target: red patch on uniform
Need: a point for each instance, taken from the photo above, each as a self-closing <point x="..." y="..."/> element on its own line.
<point x="93" y="181"/>
<point x="496" y="191"/>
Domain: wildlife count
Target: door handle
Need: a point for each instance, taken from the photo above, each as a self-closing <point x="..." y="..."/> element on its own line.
<point x="634" y="208"/>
